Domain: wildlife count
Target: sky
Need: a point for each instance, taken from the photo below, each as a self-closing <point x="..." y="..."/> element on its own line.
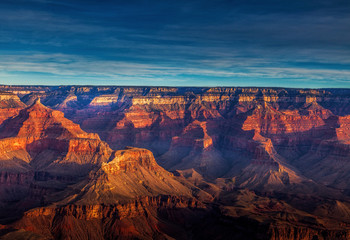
<point x="279" y="43"/>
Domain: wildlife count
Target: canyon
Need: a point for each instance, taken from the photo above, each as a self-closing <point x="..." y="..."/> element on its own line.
<point x="109" y="162"/>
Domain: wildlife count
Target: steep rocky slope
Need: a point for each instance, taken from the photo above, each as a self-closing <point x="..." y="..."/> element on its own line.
<point x="50" y="142"/>
<point x="289" y="147"/>
<point x="10" y="105"/>
<point x="124" y="198"/>
<point x="79" y="181"/>
<point x="194" y="148"/>
<point x="41" y="151"/>
<point x="296" y="121"/>
<point x="130" y="173"/>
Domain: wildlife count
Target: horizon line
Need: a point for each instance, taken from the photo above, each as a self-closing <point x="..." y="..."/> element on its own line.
<point x="165" y="86"/>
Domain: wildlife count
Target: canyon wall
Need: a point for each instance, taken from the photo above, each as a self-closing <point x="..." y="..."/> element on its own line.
<point x="276" y="158"/>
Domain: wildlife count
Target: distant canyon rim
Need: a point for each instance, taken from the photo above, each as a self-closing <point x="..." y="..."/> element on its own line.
<point x="110" y="162"/>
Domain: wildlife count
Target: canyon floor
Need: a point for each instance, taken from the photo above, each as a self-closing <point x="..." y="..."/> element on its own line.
<point x="108" y="162"/>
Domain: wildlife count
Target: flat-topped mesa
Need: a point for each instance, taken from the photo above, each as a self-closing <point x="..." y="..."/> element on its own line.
<point x="105" y="100"/>
<point x="129" y="160"/>
<point x="222" y="90"/>
<point x="249" y="90"/>
<point x="312" y="92"/>
<point x="214" y="98"/>
<point x="160" y="100"/>
<point x="132" y="91"/>
<point x="132" y="173"/>
<point x="179" y="99"/>
<point x="158" y="90"/>
<point x="8" y="96"/>
<point x="156" y="98"/>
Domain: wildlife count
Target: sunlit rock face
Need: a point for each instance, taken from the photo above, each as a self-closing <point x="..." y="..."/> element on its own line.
<point x="296" y="120"/>
<point x="128" y="191"/>
<point x="10" y="105"/>
<point x="40" y="149"/>
<point x="228" y="159"/>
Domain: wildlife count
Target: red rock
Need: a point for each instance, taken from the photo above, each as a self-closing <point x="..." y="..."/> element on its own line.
<point x="40" y="141"/>
<point x="287" y="143"/>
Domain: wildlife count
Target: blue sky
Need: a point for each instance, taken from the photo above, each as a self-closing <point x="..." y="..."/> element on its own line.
<point x="176" y="43"/>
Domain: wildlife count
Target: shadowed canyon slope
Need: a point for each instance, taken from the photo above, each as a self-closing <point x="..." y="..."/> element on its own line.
<point x="209" y="163"/>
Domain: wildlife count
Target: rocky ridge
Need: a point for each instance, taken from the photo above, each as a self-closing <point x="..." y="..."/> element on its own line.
<point x="288" y="146"/>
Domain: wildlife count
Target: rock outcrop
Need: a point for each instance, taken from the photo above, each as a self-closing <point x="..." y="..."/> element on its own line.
<point x="130" y="174"/>
<point x="194" y="148"/>
<point x="131" y="196"/>
<point x="41" y="152"/>
<point x="270" y="158"/>
<point x="10" y="105"/>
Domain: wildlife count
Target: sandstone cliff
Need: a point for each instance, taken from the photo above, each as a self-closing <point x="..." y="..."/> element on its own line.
<point x="289" y="146"/>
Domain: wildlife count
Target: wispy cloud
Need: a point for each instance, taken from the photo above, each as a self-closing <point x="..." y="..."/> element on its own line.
<point x="199" y="42"/>
<point x="77" y="67"/>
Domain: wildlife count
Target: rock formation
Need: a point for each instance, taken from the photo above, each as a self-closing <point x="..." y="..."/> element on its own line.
<point x="271" y="159"/>
<point x="41" y="151"/>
